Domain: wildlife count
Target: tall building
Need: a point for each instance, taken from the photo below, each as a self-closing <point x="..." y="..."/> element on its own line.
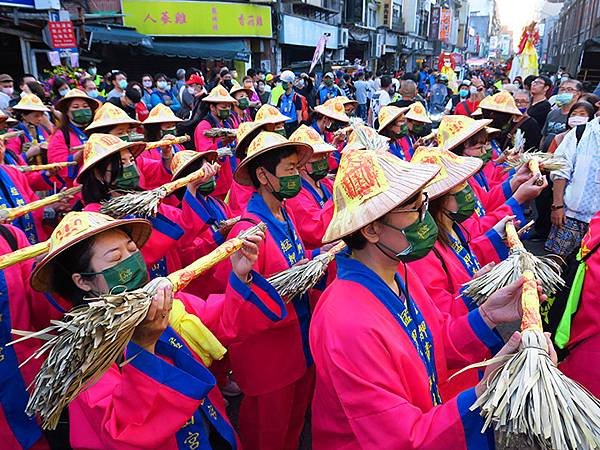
<point x="483" y="20"/>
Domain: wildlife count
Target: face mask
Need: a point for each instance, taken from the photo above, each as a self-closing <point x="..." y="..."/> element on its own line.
<point x="487" y="156"/>
<point x="161" y="85"/>
<point x="82" y="116"/>
<point x="466" y="205"/>
<point x="208" y="187"/>
<point x="403" y="131"/>
<point x="147" y="84"/>
<point x="300" y="84"/>
<point x="564" y="98"/>
<point x="243" y="103"/>
<point x="523" y="110"/>
<point x="421" y="237"/>
<point x="191" y="91"/>
<point x="328" y="83"/>
<point x="123" y="84"/>
<point x="577" y="120"/>
<point x="8" y="90"/>
<point x="171" y="131"/>
<point x="63" y="92"/>
<point x="463" y="93"/>
<point x="125" y="137"/>
<point x="224" y="114"/>
<point x="320" y="169"/>
<point x="93" y="93"/>
<point x="473" y="90"/>
<point x="130" y="273"/>
<point x="228" y="84"/>
<point x="93" y="71"/>
<point x="282" y="132"/>
<point x="420" y="130"/>
<point x="285" y="85"/>
<point x="128" y="179"/>
<point x="169" y="87"/>
<point x="563" y="79"/>
<point x="289" y="186"/>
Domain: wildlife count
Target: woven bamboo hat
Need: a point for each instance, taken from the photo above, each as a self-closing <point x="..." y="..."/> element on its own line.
<point x="161" y="114"/>
<point x="355" y="143"/>
<point x="63" y="104"/>
<point x="333" y="110"/>
<point x="237" y="87"/>
<point x="455" y="169"/>
<point x="30" y="102"/>
<point x="418" y="113"/>
<point x="503" y="102"/>
<point x="184" y="159"/>
<point x="454" y="130"/>
<point x="269" y="114"/>
<point x="343" y="100"/>
<point x="246" y="131"/>
<point x="76" y="227"/>
<point x="219" y="95"/>
<point x="110" y="115"/>
<point x="100" y="146"/>
<point x="269" y="142"/>
<point x="5" y="118"/>
<point x="308" y="135"/>
<point x="369" y="185"/>
<point x="388" y="114"/>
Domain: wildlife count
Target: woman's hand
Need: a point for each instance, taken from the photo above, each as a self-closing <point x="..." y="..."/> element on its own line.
<point x="558" y="217"/>
<point x="210" y="170"/>
<point x="485" y="269"/>
<point x="147" y="333"/>
<point x="244" y="259"/>
<point x="521" y="176"/>
<point x="500" y="227"/>
<point x="512" y="346"/>
<point x="530" y="190"/>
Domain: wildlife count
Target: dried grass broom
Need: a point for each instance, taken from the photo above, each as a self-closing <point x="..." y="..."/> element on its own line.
<point x="528" y="396"/>
<point x="216" y="133"/>
<point x="9" y="214"/>
<point x="92" y="337"/>
<point x="545" y="269"/>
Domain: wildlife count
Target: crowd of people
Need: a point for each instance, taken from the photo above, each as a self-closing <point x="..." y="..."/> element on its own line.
<point x="407" y="170"/>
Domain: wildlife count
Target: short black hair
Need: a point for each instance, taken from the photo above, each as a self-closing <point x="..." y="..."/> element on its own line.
<point x="547" y="81"/>
<point x="268" y="160"/>
<point x="113" y="76"/>
<point x="74" y="260"/>
<point x="161" y="75"/>
<point x="133" y="94"/>
<point x="386" y="81"/>
<point x="94" y="190"/>
<point x="251" y="72"/>
<point x="589" y="108"/>
<point x="528" y="80"/>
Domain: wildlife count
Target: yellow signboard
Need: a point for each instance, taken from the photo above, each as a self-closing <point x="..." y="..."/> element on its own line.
<point x="190" y="18"/>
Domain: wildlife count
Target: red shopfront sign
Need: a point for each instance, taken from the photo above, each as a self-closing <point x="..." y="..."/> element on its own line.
<point x="62" y="34"/>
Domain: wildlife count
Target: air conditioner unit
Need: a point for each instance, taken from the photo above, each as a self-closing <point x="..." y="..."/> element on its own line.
<point x="343" y="38"/>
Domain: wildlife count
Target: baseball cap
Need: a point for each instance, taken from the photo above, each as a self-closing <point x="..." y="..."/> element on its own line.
<point x="5" y="77"/>
<point x="195" y="79"/>
<point x="329" y="74"/>
<point x="269" y="77"/>
<point x="287" y="76"/>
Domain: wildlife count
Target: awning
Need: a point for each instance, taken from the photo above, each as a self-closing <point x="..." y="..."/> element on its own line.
<point x="231" y="49"/>
<point x="117" y="35"/>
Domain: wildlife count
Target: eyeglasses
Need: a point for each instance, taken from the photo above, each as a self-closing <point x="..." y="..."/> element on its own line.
<point x="538" y="82"/>
<point x="422" y="210"/>
<point x="567" y="89"/>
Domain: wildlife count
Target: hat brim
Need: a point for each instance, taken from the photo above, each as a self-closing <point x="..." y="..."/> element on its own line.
<point x="453" y="142"/>
<point x="158" y="120"/>
<point x="63" y="104"/>
<point x="243" y="143"/>
<point x="241" y="174"/>
<point x="417" y="117"/>
<point x="457" y="175"/>
<point x="41" y="277"/>
<point x="249" y="92"/>
<point x="507" y="110"/>
<point x="274" y="120"/>
<point x="32" y="108"/>
<point x="112" y="123"/>
<point x="210" y="156"/>
<point x="219" y="100"/>
<point x="390" y="119"/>
<point x="321" y="109"/>
<point x="136" y="149"/>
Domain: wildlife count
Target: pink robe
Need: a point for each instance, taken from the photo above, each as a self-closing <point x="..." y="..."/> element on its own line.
<point x="38" y="181"/>
<point x="228" y="163"/>
<point x="372" y="386"/>
<point x="58" y="151"/>
<point x="238" y="197"/>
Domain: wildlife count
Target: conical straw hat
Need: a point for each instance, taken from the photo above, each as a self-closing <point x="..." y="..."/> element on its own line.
<point x="110" y="115"/>
<point x="219" y="95"/>
<point x="369" y="185"/>
<point x="334" y="111"/>
<point x="237" y="87"/>
<point x="269" y="114"/>
<point x="418" y="113"/>
<point x="455" y="169"/>
<point x="30" y="102"/>
<point x="63" y="104"/>
<point x="5" y="118"/>
<point x="100" y="146"/>
<point x="76" y="227"/>
<point x="269" y="142"/>
<point x="355" y="143"/>
<point x="308" y="135"/>
<point x="501" y="102"/>
<point x="454" y="130"/>
<point x="183" y="159"/>
<point x="389" y="114"/>
<point x="343" y="100"/>
<point x="246" y="131"/>
<point x="161" y="114"/>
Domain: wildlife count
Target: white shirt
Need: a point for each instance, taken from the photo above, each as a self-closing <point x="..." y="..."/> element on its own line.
<point x="582" y="172"/>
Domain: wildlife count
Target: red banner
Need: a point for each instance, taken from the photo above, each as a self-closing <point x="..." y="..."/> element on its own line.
<point x="445" y="24"/>
<point x="62" y="34"/>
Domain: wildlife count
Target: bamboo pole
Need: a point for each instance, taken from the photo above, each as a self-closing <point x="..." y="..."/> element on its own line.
<point x="9" y="214"/>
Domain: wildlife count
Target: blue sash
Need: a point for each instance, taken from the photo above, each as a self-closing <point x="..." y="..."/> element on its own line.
<point x="15" y="199"/>
<point x="74" y="170"/>
<point x="315" y="194"/>
<point x="482" y="180"/>
<point x="496" y="150"/>
<point x="38" y="131"/>
<point x="397" y="150"/>
<point x="13" y="392"/>
<point x="463" y="252"/>
<point x="211" y="214"/>
<point x="408" y="316"/>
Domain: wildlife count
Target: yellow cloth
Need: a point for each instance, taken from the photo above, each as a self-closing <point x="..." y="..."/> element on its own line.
<point x="452" y="81"/>
<point x="195" y="333"/>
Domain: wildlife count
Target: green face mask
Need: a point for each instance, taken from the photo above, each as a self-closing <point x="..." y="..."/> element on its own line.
<point x="320" y="169"/>
<point x="3" y="132"/>
<point x="125" y="137"/>
<point x="289" y="186"/>
<point x="129" y="178"/>
<point x="282" y="132"/>
<point x="171" y="131"/>
<point x="243" y="103"/>
<point x="82" y="116"/>
<point x="421" y="237"/>
<point x="403" y="131"/>
<point x="487" y="156"/>
<point x="466" y="205"/>
<point x="419" y="130"/>
<point x="285" y="85"/>
<point x="224" y="114"/>
<point x="328" y="83"/>
<point x="130" y="273"/>
<point x="208" y="187"/>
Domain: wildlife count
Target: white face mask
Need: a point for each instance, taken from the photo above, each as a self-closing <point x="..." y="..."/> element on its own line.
<point x="577" y="120"/>
<point x="473" y="90"/>
<point x="8" y="90"/>
<point x="191" y="91"/>
<point x="147" y="84"/>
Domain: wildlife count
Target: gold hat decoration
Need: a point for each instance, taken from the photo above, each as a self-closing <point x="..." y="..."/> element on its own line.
<point x="110" y="115"/>
<point x="454" y="130"/>
<point x="388" y="114"/>
<point x="63" y="104"/>
<point x="30" y="102"/>
<point x="219" y="94"/>
<point x="161" y="114"/>
<point x="418" y="113"/>
<point x="308" y="135"/>
<point x="503" y="102"/>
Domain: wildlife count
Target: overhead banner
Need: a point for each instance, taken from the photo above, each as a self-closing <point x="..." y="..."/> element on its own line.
<point x="201" y="19"/>
<point x="445" y="24"/>
<point x="318" y="52"/>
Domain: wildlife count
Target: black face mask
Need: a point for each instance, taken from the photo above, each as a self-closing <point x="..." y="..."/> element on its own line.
<point x="334" y="126"/>
<point x="228" y="84"/>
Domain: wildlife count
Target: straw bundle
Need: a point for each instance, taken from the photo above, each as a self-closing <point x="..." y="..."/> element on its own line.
<point x="167" y="142"/>
<point x="544" y="268"/>
<point x="528" y="396"/>
<point x="224" y="152"/>
<point x="547" y="161"/>
<point x="145" y="204"/>
<point x="11" y="134"/>
<point x="9" y="214"/>
<point x="92" y="337"/>
<point x="216" y="133"/>
<point x="300" y="278"/>
<point x="354" y="122"/>
<point x="51" y="166"/>
<point x="23" y="254"/>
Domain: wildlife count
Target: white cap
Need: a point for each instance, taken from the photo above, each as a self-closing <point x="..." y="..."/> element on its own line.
<point x="287" y="76"/>
<point x="329" y="74"/>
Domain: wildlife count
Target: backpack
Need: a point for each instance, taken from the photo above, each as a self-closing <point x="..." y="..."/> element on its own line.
<point x="304" y="113"/>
